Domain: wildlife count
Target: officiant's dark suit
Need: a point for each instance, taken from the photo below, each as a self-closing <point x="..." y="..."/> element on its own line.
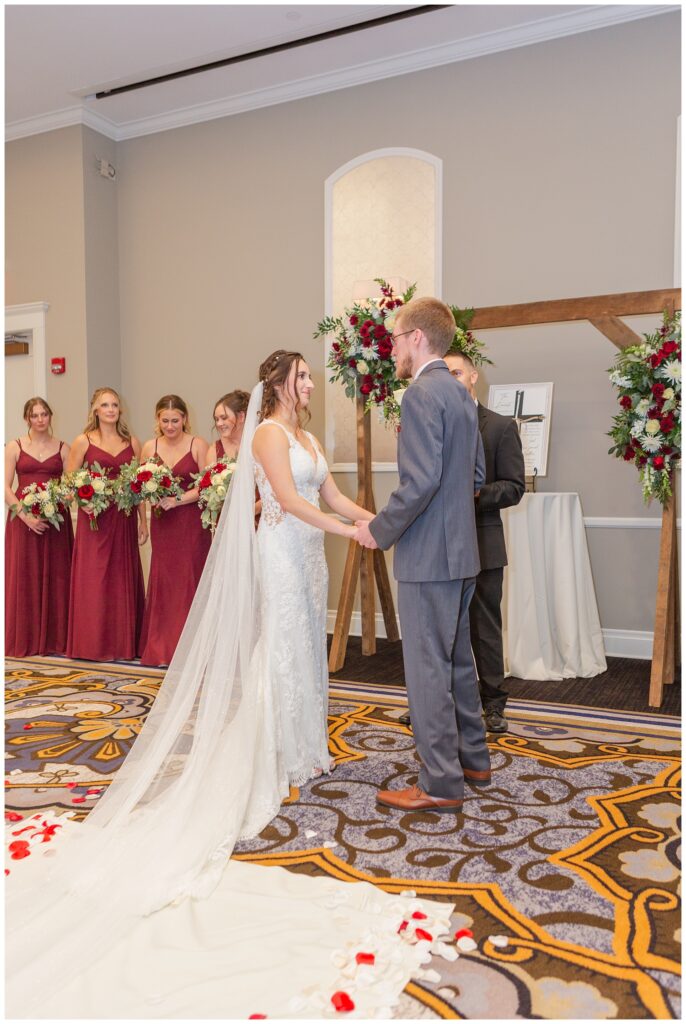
<point x="430" y="519"/>
<point x="504" y="487"/>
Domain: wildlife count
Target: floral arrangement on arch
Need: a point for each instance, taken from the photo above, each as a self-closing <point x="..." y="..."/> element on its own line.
<point x="647" y="430"/>
<point x="360" y="355"/>
<point x="46" y="501"/>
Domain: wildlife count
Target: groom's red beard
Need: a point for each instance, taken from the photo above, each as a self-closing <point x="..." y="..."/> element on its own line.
<point x="403" y="368"/>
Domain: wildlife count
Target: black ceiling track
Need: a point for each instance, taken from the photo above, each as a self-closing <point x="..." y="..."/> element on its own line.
<point x="334" y="33"/>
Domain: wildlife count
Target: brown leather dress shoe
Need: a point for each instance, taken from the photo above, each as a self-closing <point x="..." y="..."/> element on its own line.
<point x="477" y="778"/>
<point x="415" y="799"/>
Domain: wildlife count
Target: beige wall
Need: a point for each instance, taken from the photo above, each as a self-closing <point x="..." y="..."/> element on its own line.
<point x="45" y="249"/>
<point x="558" y="169"/>
<point x="101" y="264"/>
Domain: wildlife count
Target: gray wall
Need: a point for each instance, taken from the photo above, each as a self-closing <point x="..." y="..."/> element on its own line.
<point x="559" y="177"/>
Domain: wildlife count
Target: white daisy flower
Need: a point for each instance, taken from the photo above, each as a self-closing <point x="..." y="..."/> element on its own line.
<point x="650" y="444"/>
<point x="671" y="370"/>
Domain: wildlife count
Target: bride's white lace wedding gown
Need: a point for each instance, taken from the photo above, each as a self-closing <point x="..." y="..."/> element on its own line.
<point x="138" y="912"/>
<point x="294" y="591"/>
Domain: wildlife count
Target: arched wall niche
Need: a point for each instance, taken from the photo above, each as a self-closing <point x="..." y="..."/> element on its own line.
<point x="383" y="219"/>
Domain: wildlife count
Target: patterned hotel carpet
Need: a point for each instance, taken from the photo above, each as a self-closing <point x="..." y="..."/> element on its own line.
<point x="571" y="853"/>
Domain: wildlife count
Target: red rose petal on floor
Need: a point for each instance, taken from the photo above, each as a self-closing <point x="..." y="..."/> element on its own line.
<point x="418" y="916"/>
<point x="342" y="1002"/>
<point x="257" y="1016"/>
<point x="7" y="871"/>
<point x="78" y="799"/>
<point x="12" y="816"/>
<point x="421" y="934"/>
<point x="19" y="849"/>
<point x="71" y="785"/>
<point x="462" y="932"/>
<point x="365" y="958"/>
<point x="28" y="726"/>
<point x="92" y="792"/>
<point x="402" y="926"/>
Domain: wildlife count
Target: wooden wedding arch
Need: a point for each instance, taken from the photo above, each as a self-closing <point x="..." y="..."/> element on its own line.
<point x="604" y="312"/>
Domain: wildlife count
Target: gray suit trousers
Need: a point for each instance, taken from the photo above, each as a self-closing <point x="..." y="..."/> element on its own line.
<point x="442" y="689"/>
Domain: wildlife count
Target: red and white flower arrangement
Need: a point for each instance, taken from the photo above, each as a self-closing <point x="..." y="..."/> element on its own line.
<point x="156" y="482"/>
<point x="91" y="489"/>
<point x="647" y="431"/>
<point x="360" y="354"/>
<point x="46" y="501"/>
<point x="213" y="487"/>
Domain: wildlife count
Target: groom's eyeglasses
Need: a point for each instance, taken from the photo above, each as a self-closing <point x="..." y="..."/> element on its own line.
<point x="394" y="337"/>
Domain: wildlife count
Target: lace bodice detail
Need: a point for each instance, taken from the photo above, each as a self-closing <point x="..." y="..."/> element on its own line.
<point x="292" y="652"/>
<point x="308" y="477"/>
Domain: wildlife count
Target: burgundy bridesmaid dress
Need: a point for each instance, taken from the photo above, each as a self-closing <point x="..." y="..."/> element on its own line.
<point x="107" y="591"/>
<point x="37" y="570"/>
<point x="179" y="549"/>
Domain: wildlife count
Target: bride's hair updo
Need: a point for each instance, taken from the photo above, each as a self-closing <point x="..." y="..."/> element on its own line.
<point x="274" y="373"/>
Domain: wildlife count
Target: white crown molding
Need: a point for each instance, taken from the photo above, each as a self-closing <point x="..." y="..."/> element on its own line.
<point x="62" y="119"/>
<point x="555" y="27"/>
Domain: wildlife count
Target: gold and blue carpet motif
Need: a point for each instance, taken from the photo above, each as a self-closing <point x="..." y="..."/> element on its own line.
<point x="571" y="855"/>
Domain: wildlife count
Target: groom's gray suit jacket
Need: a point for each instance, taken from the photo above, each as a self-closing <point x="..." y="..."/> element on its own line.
<point x="430" y="515"/>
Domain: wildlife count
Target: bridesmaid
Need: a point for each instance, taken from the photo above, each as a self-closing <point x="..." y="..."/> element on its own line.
<point x="229" y="419"/>
<point x="107" y="592"/>
<point x="179" y="542"/>
<point x="37" y="556"/>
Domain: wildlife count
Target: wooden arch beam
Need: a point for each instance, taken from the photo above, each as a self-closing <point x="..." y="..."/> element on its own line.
<point x="602" y="311"/>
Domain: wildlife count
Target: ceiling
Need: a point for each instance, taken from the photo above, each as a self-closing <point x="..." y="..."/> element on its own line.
<point x="58" y="56"/>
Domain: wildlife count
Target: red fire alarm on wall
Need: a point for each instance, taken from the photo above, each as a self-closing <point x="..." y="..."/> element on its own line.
<point x="58" y="364"/>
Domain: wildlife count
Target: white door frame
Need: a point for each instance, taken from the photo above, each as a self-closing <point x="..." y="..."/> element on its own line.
<point x="30" y="316"/>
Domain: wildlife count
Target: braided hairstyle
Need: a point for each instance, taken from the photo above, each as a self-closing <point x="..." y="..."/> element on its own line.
<point x="274" y="372"/>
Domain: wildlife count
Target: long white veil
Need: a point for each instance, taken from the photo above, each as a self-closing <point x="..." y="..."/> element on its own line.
<point x="195" y="780"/>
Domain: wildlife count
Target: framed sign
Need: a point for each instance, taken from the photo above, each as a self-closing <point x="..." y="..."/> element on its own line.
<point x="530" y="405"/>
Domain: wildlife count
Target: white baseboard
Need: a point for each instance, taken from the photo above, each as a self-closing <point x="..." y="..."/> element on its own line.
<point x="619" y="643"/>
<point x="628" y="643"/>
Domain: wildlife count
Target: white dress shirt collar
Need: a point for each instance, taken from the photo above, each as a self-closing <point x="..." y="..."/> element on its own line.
<point x="436" y="359"/>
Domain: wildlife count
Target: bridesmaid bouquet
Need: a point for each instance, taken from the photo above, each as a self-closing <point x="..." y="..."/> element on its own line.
<point x="156" y="482"/>
<point x="45" y="501"/>
<point x="128" y="489"/>
<point x="91" y="489"/>
<point x="213" y="486"/>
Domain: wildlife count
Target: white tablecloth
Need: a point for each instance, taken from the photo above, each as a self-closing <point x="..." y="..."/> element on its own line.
<point x="553" y="629"/>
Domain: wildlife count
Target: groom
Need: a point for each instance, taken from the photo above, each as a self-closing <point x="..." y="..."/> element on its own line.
<point x="430" y="519"/>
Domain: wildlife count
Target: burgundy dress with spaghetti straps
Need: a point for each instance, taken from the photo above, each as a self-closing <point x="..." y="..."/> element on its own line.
<point x="179" y="549"/>
<point x="107" y="591"/>
<point x="37" y="569"/>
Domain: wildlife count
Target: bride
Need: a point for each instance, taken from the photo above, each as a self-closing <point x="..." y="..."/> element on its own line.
<point x="110" y="920"/>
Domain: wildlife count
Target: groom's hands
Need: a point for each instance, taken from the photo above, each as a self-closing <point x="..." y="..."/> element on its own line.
<point x="363" y="534"/>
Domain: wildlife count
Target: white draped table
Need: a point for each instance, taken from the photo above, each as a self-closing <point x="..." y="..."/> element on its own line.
<point x="552" y="625"/>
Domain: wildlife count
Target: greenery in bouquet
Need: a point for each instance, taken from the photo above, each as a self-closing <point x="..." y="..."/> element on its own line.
<point x="128" y="489"/>
<point x="647" y="430"/>
<point x="91" y="489"/>
<point x="213" y="487"/>
<point x="360" y="354"/>
<point x="156" y="482"/>
<point x="46" y="501"/>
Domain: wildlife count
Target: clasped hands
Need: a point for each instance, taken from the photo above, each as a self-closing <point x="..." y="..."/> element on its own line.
<point x="363" y="534"/>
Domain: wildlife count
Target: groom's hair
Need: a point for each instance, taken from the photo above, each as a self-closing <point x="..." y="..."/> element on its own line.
<point x="432" y="317"/>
